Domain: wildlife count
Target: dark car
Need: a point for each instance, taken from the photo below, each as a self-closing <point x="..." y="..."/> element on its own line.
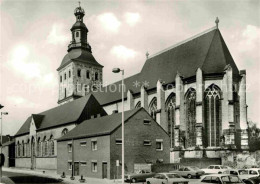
<point x="253" y="180"/>
<point x="139" y="176"/>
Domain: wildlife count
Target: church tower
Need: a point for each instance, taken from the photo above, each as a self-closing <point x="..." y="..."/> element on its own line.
<point x="79" y="71"/>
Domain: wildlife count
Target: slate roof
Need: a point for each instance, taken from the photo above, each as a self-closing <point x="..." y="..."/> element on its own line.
<point x="79" y="55"/>
<point x="59" y="115"/>
<point x="98" y="126"/>
<point x="207" y="51"/>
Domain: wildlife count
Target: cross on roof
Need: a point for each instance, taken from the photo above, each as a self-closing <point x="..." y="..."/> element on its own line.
<point x="217" y="21"/>
<point x="79" y="3"/>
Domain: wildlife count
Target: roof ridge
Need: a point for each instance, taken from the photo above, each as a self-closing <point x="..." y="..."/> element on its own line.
<point x="208" y="50"/>
<point x="182" y="42"/>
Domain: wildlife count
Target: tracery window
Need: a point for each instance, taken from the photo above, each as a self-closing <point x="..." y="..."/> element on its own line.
<point x="212" y="115"/>
<point x="153" y="108"/>
<point x="170" y="108"/>
<point x="138" y="105"/>
<point x="191" y="117"/>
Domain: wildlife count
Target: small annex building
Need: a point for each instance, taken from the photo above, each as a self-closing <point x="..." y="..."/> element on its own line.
<point x="93" y="148"/>
<point x="35" y="141"/>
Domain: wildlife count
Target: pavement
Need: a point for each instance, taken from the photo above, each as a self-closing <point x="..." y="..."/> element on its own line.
<point x="52" y="174"/>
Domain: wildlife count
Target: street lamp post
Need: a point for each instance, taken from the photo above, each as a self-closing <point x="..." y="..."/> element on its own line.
<point x="1" y="141"/>
<point x="117" y="70"/>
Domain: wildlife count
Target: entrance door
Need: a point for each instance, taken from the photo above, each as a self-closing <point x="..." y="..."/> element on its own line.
<point x="104" y="170"/>
<point x="76" y="168"/>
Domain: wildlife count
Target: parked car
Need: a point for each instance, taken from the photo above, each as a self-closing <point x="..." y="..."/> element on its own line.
<point x="167" y="178"/>
<point x="189" y="172"/>
<point x="221" y="179"/>
<point x="139" y="176"/>
<point x="253" y="180"/>
<point x="215" y="169"/>
<point x="253" y="172"/>
<point x="241" y="173"/>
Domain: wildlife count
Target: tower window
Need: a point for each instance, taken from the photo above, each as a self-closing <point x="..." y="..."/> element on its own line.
<point x="79" y="73"/>
<point x="87" y="74"/>
<point x="96" y="76"/>
<point x="69" y="74"/>
<point x="60" y="78"/>
<point x="77" y="34"/>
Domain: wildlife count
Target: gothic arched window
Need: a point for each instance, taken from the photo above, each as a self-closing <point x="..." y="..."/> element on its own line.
<point x="60" y="78"/>
<point x="153" y="108"/>
<point x="77" y="34"/>
<point x="190" y="99"/>
<point x="18" y="149"/>
<point x="69" y="73"/>
<point x="51" y="146"/>
<point x="64" y="131"/>
<point x="138" y="105"/>
<point x="65" y="76"/>
<point x="23" y="154"/>
<point x="39" y="146"/>
<point x="212" y="116"/>
<point x="28" y="147"/>
<point x="44" y="146"/>
<point x="33" y="147"/>
<point x="170" y="108"/>
<point x="87" y="74"/>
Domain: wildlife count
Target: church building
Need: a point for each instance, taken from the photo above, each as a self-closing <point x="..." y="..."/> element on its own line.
<point x="192" y="89"/>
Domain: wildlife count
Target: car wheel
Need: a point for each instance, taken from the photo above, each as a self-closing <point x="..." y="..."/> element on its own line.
<point x="198" y="177"/>
<point x="133" y="180"/>
<point x="189" y="176"/>
<point x="148" y="182"/>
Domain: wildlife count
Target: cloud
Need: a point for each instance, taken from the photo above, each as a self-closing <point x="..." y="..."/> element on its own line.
<point x="123" y="52"/>
<point x="132" y="18"/>
<point x="20" y="63"/>
<point x="57" y="35"/>
<point x="110" y="22"/>
<point x="250" y="38"/>
<point x="20" y="101"/>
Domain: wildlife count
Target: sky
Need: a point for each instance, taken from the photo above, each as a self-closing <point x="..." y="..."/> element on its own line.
<point x="35" y="35"/>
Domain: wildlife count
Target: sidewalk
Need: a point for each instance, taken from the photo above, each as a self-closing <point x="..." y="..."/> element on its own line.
<point x="49" y="173"/>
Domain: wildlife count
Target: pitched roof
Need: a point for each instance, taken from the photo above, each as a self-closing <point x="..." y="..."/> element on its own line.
<point x="59" y="115"/>
<point x="207" y="51"/>
<point x="98" y="126"/>
<point x="79" y="55"/>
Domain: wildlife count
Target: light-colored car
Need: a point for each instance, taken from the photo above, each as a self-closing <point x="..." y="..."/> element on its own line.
<point x="139" y="176"/>
<point x="166" y="178"/>
<point x="189" y="172"/>
<point x="243" y="174"/>
<point x="221" y="179"/>
<point x="215" y="169"/>
<point x="253" y="172"/>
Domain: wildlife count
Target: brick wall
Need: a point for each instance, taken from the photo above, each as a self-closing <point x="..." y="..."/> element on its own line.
<point x="135" y="151"/>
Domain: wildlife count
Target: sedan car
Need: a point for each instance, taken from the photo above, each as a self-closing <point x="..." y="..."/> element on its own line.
<point x="221" y="179"/>
<point x="253" y="180"/>
<point x="241" y="173"/>
<point x="166" y="178"/>
<point x="189" y="172"/>
<point x="139" y="176"/>
<point x="215" y="169"/>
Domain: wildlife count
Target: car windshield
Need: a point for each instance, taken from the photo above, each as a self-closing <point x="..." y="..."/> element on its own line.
<point x="243" y="172"/>
<point x="173" y="176"/>
<point x="195" y="168"/>
<point x="231" y="179"/>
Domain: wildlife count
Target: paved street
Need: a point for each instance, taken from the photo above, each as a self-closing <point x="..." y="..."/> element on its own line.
<point x="27" y="178"/>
